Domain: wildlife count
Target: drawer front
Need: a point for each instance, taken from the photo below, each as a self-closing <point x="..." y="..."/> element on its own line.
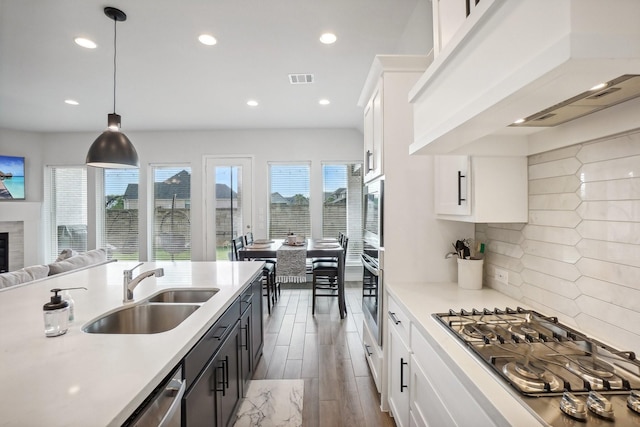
<point x="456" y="399"/>
<point x="245" y="299"/>
<point x="373" y="354"/>
<point x="426" y="407"/>
<point x="200" y="354"/>
<point x="399" y="320"/>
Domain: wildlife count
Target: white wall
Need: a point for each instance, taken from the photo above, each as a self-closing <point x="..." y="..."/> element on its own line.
<point x="264" y="145"/>
<point x="417" y="37"/>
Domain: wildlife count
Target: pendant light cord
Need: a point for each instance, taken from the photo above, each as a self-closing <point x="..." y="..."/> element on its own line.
<point x="115" y="53"/>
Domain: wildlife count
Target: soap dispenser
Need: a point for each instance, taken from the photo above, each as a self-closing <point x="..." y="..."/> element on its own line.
<point x="56" y="315"/>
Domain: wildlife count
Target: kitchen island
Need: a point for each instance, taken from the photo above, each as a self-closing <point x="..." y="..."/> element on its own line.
<point x="82" y="379"/>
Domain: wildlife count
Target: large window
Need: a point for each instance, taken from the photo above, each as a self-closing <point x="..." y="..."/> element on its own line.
<point x="289" y="205"/>
<point x="120" y="213"/>
<point x="66" y="209"/>
<point x="172" y="213"/>
<point x="342" y="205"/>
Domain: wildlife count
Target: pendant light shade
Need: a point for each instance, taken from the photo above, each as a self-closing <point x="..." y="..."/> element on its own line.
<point x="112" y="149"/>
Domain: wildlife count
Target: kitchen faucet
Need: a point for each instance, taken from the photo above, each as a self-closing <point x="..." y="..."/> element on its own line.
<point x="129" y="284"/>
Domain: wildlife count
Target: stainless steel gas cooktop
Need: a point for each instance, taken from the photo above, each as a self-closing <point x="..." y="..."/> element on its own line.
<point x="564" y="376"/>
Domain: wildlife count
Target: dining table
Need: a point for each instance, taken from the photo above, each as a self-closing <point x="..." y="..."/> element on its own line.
<point x="316" y="248"/>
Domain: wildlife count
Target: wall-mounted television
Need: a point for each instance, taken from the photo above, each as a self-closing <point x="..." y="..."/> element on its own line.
<point x="11" y="178"/>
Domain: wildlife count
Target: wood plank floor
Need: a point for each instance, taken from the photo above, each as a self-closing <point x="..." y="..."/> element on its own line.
<point x="326" y="352"/>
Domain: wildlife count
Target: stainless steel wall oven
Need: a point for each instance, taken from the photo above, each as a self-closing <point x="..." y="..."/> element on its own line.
<point x="372" y="283"/>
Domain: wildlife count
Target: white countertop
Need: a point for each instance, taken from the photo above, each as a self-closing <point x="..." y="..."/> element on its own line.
<point x="81" y="379"/>
<point x="421" y="300"/>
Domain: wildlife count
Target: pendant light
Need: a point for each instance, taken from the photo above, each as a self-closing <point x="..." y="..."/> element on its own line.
<point x="112" y="149"/>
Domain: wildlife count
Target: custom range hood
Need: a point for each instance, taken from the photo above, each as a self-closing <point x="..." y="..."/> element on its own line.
<point x="537" y="60"/>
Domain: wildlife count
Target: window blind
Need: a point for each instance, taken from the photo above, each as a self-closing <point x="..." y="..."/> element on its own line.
<point x="289" y="205"/>
<point x="172" y="213"/>
<point x="65" y="209"/>
<point x="342" y="205"/>
<point x="120" y="227"/>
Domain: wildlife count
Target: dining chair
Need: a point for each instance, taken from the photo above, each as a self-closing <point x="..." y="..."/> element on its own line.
<point x="326" y="277"/>
<point x="268" y="272"/>
<point x="248" y="240"/>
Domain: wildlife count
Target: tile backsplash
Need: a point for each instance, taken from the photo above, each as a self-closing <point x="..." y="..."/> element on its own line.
<point x="578" y="257"/>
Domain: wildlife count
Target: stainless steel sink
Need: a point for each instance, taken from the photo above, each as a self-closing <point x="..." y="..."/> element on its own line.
<point x="183" y="296"/>
<point x="147" y="318"/>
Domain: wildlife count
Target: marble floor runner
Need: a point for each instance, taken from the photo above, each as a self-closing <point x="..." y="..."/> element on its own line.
<point x="272" y="403"/>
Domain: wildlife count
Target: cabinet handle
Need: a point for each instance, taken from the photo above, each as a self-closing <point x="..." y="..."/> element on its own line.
<point x="247" y="299"/>
<point x="221" y="334"/>
<point x="366" y="347"/>
<point x="402" y="386"/>
<point x="369" y="161"/>
<point x="221" y="382"/>
<point x="394" y="318"/>
<point x="460" y="199"/>
<point x="246" y="337"/>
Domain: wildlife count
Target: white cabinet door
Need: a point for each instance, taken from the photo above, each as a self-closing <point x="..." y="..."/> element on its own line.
<point x="481" y="189"/>
<point x="373" y="135"/>
<point x="426" y="407"/>
<point x="453" y="184"/>
<point x="399" y="364"/>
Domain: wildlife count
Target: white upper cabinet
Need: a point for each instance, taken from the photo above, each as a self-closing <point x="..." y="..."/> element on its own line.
<point x="448" y="17"/>
<point x="481" y="189"/>
<point x="387" y="112"/>
<point x="373" y="130"/>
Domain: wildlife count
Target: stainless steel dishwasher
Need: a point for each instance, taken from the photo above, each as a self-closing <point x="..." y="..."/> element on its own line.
<point x="163" y="408"/>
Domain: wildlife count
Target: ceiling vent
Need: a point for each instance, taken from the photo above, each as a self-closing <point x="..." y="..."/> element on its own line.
<point x="300" y="79"/>
<point x="619" y="90"/>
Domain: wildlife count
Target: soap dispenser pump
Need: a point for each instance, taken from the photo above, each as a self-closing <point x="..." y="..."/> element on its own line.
<point x="56" y="315"/>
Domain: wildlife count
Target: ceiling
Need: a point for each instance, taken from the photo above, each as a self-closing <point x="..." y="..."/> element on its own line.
<point x="167" y="80"/>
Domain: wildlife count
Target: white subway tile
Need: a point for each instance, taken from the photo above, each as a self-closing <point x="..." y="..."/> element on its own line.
<point x="552" y="267"/>
<point x="565" y="201"/>
<point x="619" y="189"/>
<point x="608" y="333"/>
<point x="508" y="249"/>
<point x="627" y="167"/>
<point x="622" y="146"/>
<point x="619" y="253"/>
<point x="567" y="219"/>
<point x="504" y="235"/>
<point x="610" y="313"/>
<point x="554" y="185"/>
<point x="567" y="166"/>
<point x="554" y="251"/>
<point x="621" y="232"/>
<point x="610" y="292"/>
<point x="555" y="302"/>
<point x="624" y="275"/>
<point x="568" y="236"/>
<point x="561" y="153"/>
<point x="564" y="288"/>
<point x="618" y="210"/>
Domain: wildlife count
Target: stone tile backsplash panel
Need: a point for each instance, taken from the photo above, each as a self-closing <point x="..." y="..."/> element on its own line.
<point x="578" y="257"/>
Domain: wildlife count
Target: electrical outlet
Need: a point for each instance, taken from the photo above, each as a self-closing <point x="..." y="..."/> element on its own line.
<point x="502" y="276"/>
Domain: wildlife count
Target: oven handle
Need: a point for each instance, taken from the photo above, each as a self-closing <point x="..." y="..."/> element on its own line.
<point x="366" y="263"/>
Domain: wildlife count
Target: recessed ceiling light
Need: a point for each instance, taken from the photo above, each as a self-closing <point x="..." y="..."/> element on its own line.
<point x="252" y="103"/>
<point x="328" y="38"/>
<point x="207" y="39"/>
<point x="324" y="102"/>
<point x="599" y="86"/>
<point x="89" y="44"/>
<point x="517" y="122"/>
<point x="71" y="102"/>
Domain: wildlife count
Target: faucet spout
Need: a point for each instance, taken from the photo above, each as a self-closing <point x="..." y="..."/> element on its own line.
<point x="129" y="283"/>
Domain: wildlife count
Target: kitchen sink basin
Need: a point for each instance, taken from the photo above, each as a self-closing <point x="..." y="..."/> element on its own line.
<point x="148" y="318"/>
<point x="184" y="296"/>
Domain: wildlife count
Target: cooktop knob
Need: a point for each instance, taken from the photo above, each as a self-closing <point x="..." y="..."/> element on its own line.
<point x="633" y="401"/>
<point x="599" y="405"/>
<point x="572" y="406"/>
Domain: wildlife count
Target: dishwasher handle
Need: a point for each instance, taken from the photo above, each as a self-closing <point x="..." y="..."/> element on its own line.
<point x="174" y="385"/>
